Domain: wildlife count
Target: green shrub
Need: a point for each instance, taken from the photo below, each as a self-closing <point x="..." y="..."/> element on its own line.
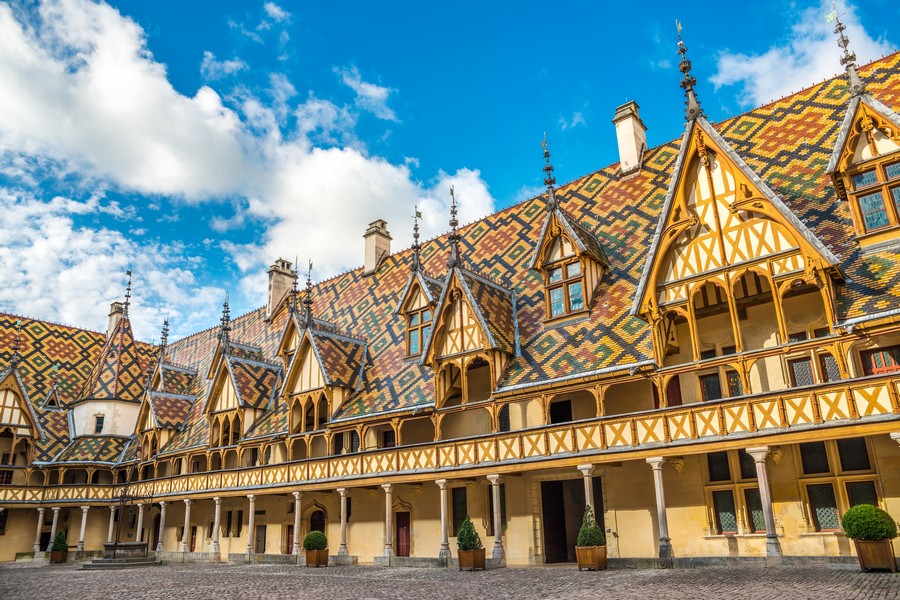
<point x="59" y="543"/>
<point x="315" y="540"/>
<point x="590" y="533"/>
<point x="467" y="538"/>
<point x="869" y="523"/>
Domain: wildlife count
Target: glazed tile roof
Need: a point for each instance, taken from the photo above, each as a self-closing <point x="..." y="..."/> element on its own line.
<point x="119" y="373"/>
<point x="787" y="143"/>
<point x="342" y="358"/>
<point x="254" y="382"/>
<point x="495" y="308"/>
<point x="93" y="448"/>
<point x="169" y="410"/>
<point x="583" y="239"/>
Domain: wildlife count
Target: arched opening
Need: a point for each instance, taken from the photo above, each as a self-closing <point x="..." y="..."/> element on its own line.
<point x="231" y="459"/>
<point x="715" y="333"/>
<point x="318" y="447"/>
<point x="379" y="436"/>
<point x="572" y="406"/>
<point x="317" y="521"/>
<point x="804" y="312"/>
<point x="478" y="381"/>
<point x="226" y="432"/>
<point x="629" y="397"/>
<point x="237" y="430"/>
<point x="75" y="477"/>
<point x="465" y="423"/>
<point x="450" y="386"/>
<point x="417" y="430"/>
<point x="215" y="433"/>
<point x="755" y="311"/>
<point x="298" y="449"/>
<point x="522" y="414"/>
<point x="767" y="375"/>
<point x="215" y="463"/>
<point x="309" y="416"/>
<point x="37" y="478"/>
<point x="321" y="412"/>
<point x="147" y="472"/>
<point x="675" y="335"/>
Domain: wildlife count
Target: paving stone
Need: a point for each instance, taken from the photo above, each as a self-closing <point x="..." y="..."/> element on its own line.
<point x="274" y="582"/>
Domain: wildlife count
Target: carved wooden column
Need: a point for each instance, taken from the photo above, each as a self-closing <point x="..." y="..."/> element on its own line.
<point x="665" y="544"/>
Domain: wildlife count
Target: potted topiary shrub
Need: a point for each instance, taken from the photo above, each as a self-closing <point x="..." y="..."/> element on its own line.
<point x="59" y="551"/>
<point x="471" y="552"/>
<point x="316" y="545"/>
<point x="871" y="530"/>
<point x="590" y="548"/>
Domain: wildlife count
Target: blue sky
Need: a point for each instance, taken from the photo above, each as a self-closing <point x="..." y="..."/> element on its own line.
<point x="196" y="142"/>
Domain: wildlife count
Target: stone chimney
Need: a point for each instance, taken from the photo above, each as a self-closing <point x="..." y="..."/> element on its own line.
<point x="281" y="277"/>
<point x="378" y="245"/>
<point x="631" y="133"/>
<point x="116" y="311"/>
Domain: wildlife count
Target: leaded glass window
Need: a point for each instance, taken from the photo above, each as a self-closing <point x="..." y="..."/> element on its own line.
<point x="873" y="210"/>
<point x="853" y="454"/>
<point x="726" y="518"/>
<point x="830" y="370"/>
<point x="711" y="387"/>
<point x="823" y="507"/>
<point x="801" y="372"/>
<point x="755" y="517"/>
<point x="719" y="469"/>
<point x="814" y="458"/>
<point x="748" y="466"/>
<point x="862" y="492"/>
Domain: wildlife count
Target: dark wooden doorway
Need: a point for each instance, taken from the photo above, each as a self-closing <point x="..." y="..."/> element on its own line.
<point x="288" y="540"/>
<point x="193" y="538"/>
<point x="562" y="510"/>
<point x="402" y="541"/>
<point x="259" y="544"/>
<point x="154" y="534"/>
<point x="317" y="521"/>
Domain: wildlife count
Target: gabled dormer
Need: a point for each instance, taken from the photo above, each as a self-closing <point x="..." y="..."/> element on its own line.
<point x="19" y="424"/>
<point x="418" y="300"/>
<point x="474" y="335"/>
<point x="568" y="256"/>
<point x="865" y="168"/>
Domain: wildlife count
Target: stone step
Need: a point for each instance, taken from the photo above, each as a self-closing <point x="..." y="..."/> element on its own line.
<point x="107" y="564"/>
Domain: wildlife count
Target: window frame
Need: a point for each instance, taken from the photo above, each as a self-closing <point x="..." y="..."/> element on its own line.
<point x="421" y="330"/>
<point x="564" y="283"/>
<point x="882" y="185"/>
<point x="737" y="485"/>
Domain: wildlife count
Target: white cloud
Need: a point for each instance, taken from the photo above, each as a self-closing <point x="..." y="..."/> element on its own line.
<point x="92" y="104"/>
<point x="52" y="268"/>
<point x="810" y="55"/>
<point x="369" y="96"/>
<point x="575" y="120"/>
<point x="276" y="13"/>
<point x="212" y="69"/>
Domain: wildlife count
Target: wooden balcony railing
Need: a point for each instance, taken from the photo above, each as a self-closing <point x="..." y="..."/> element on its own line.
<point x="857" y="401"/>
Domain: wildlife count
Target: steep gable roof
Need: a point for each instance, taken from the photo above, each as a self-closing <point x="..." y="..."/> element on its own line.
<point x="845" y="131"/>
<point x="118" y="373"/>
<point x="585" y="241"/>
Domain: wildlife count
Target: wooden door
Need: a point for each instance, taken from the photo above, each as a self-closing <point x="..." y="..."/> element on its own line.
<point x="154" y="531"/>
<point x="317" y="521"/>
<point x="554" y="522"/>
<point x="402" y="541"/>
<point x="193" y="537"/>
<point x="289" y="539"/>
<point x="259" y="545"/>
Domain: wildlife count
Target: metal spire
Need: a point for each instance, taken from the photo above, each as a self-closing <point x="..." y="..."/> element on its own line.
<point x="453" y="261"/>
<point x="688" y="81"/>
<point x="857" y="87"/>
<point x="16" y="357"/>
<point x="416" y="263"/>
<point x="127" y="294"/>
<point x="307" y="300"/>
<point x="163" y="340"/>
<point x="225" y="326"/>
<point x="549" y="179"/>
<point x="292" y="304"/>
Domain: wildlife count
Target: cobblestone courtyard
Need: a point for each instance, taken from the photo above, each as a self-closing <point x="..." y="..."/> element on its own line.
<point x="226" y="582"/>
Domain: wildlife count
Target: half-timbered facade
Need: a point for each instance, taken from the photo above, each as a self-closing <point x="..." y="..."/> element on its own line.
<point x="703" y="344"/>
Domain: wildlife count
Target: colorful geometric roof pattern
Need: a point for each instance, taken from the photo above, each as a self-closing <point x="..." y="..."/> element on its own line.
<point x="169" y="410"/>
<point x="93" y="449"/>
<point x="787" y="144"/>
<point x="16" y="384"/>
<point x="342" y="358"/>
<point x="584" y="240"/>
<point x="175" y="379"/>
<point x="118" y="373"/>
<point x="254" y="382"/>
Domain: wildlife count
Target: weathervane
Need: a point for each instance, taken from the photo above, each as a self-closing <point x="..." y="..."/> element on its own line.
<point x="857" y="87"/>
<point x="688" y="81"/>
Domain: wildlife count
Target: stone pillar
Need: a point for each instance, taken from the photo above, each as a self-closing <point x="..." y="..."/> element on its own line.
<point x="84" y="511"/>
<point x="186" y="537"/>
<point x="388" y="513"/>
<point x="250" y="522"/>
<point x="773" y="546"/>
<point x="445" y="541"/>
<point x="37" y="534"/>
<point x="139" y="534"/>
<point x="162" y="526"/>
<point x="665" y="544"/>
<point x="498" y="526"/>
<point x="342" y="551"/>
<point x="112" y="524"/>
<point x="297" y="496"/>
<point x="55" y="510"/>
<point x="587" y="472"/>
<point x="216" y="520"/>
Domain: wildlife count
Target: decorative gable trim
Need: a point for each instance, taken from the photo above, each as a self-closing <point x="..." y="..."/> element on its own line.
<point x="11" y="381"/>
<point x="585" y="241"/>
<point x="846" y="130"/>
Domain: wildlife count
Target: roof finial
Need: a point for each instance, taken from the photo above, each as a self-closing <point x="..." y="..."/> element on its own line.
<point x="16" y="357"/>
<point x="687" y="80"/>
<point x="416" y="264"/>
<point x="164" y="338"/>
<point x="857" y="87"/>
<point x="292" y="305"/>
<point x="225" y="327"/>
<point x="453" y="261"/>
<point x="308" y="301"/>
<point x="127" y="294"/>
<point x="549" y="179"/>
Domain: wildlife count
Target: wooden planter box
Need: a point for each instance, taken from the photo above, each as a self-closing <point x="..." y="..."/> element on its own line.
<point x="875" y="555"/>
<point x="592" y="558"/>
<point x="59" y="556"/>
<point x="471" y="560"/>
<point x="317" y="558"/>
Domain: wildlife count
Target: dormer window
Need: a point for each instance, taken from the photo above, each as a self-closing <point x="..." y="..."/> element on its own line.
<point x="98" y="424"/>
<point x="418" y="329"/>
<point x="875" y="196"/>
<point x="565" y="288"/>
